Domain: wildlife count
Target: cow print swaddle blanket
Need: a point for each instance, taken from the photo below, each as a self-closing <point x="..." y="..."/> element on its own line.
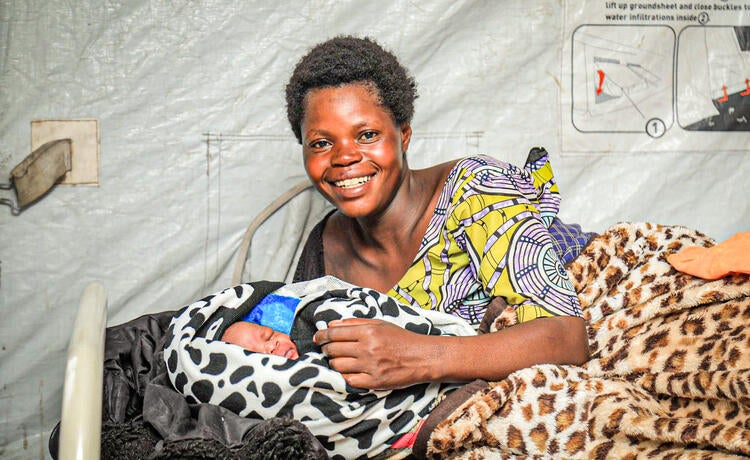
<point x="350" y="422"/>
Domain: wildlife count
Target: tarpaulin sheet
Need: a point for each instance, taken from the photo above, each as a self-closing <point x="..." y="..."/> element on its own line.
<point x="628" y="97"/>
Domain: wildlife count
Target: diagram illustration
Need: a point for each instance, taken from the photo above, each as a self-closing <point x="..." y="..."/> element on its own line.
<point x="622" y="79"/>
<point x="713" y="79"/>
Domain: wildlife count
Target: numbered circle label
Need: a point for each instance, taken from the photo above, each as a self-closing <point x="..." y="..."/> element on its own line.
<point x="655" y="127"/>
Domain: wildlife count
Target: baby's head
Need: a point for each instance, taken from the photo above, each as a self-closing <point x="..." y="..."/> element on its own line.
<point x="260" y="339"/>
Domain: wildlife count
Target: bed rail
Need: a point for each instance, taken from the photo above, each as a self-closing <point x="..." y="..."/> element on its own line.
<point x="80" y="425"/>
<point x="268" y="211"/>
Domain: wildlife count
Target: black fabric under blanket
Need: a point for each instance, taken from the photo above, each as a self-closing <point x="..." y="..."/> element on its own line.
<point x="143" y="417"/>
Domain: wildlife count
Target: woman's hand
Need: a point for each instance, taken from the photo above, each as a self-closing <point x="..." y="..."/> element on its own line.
<point x="375" y="354"/>
<point x="372" y="353"/>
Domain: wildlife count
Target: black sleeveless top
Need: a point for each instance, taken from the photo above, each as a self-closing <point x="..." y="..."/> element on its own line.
<point x="311" y="264"/>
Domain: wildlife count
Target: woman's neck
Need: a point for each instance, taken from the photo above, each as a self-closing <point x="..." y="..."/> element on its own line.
<point x="405" y="219"/>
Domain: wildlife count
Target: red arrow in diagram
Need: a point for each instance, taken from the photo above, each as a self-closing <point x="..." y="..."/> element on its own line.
<point x="747" y="91"/>
<point x="725" y="97"/>
<point x="601" y="81"/>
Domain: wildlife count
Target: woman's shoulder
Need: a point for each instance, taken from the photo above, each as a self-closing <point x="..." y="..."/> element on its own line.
<point x="472" y="165"/>
<point x="486" y="163"/>
<point x="477" y="173"/>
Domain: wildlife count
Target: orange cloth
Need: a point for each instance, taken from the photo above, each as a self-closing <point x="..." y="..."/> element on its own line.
<point x="727" y="257"/>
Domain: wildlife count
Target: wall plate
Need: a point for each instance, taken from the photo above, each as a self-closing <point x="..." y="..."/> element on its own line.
<point x="84" y="134"/>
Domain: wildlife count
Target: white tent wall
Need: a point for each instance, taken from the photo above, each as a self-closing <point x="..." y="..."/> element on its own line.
<point x="163" y="226"/>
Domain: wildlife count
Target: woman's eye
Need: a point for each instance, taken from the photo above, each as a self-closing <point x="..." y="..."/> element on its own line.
<point x="320" y="144"/>
<point x="368" y="136"/>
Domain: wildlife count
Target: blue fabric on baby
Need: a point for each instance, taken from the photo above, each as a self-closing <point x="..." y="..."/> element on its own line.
<point x="275" y="311"/>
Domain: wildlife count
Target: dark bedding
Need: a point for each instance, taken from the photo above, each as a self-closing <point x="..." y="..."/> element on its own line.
<point x="144" y="418"/>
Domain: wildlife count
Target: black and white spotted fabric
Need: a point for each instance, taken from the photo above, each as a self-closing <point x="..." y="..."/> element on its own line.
<point x="349" y="422"/>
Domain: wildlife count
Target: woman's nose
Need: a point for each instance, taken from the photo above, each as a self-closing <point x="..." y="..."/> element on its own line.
<point x="346" y="153"/>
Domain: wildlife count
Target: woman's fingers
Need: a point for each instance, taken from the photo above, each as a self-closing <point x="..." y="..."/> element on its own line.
<point x="346" y="365"/>
<point x="342" y="330"/>
<point x="360" y="380"/>
<point x="371" y="353"/>
<point x="334" y="350"/>
<point x="353" y="322"/>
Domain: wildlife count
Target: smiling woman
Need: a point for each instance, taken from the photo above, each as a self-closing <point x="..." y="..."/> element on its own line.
<point x="460" y="237"/>
<point x="341" y="128"/>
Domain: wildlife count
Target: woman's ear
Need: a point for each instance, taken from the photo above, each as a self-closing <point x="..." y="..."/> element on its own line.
<point x="405" y="136"/>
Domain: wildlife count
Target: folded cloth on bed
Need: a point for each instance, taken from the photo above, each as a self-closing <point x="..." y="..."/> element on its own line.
<point x="350" y="422"/>
<point x="668" y="376"/>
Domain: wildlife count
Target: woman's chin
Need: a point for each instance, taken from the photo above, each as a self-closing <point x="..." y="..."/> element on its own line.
<point x="355" y="209"/>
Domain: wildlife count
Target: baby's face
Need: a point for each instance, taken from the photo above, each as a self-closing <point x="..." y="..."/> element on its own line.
<point x="260" y="339"/>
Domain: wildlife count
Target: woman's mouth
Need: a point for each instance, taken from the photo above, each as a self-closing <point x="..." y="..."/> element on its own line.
<point x="353" y="182"/>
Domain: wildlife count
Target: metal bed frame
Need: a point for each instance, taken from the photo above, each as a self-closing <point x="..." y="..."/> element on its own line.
<point x="80" y="424"/>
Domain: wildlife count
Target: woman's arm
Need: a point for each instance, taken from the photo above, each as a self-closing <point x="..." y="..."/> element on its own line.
<point x="379" y="355"/>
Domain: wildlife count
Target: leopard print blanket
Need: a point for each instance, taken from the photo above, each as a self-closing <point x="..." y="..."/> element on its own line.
<point x="668" y="376"/>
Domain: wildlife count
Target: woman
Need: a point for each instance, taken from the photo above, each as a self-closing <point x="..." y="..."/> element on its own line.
<point x="451" y="237"/>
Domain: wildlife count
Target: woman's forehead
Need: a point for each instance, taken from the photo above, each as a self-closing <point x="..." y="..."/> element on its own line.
<point x="364" y="92"/>
<point x="348" y="102"/>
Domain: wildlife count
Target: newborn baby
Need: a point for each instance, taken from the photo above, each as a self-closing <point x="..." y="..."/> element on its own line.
<point x="249" y="349"/>
<point x="266" y="328"/>
<point x="261" y="339"/>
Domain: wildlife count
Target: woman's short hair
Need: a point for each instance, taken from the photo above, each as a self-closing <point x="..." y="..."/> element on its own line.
<point x="346" y="59"/>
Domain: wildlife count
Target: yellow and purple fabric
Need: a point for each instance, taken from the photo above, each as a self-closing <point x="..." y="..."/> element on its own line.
<point x="489" y="237"/>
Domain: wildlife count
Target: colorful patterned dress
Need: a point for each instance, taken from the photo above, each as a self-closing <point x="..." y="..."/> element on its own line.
<point x="489" y="237"/>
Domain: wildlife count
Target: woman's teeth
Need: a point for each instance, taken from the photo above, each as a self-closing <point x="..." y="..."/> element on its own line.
<point x="355" y="182"/>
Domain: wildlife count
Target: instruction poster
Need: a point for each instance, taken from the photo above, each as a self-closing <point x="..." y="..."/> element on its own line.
<point x="656" y="76"/>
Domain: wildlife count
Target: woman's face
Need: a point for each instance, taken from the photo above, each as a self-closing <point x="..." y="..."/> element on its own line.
<point x="353" y="149"/>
